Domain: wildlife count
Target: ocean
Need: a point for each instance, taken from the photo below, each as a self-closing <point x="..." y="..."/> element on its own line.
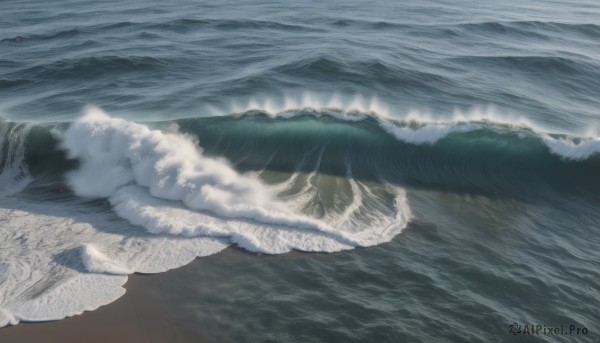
<point x="345" y="171"/>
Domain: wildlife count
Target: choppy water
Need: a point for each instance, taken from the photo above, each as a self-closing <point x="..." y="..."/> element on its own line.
<point x="440" y="161"/>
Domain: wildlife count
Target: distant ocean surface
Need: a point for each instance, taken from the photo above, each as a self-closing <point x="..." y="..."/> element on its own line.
<point x="416" y="171"/>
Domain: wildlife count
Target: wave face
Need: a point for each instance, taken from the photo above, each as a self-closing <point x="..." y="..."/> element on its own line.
<point x="14" y="175"/>
<point x="481" y="154"/>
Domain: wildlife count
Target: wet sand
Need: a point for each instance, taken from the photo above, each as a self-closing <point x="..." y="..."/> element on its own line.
<point x="141" y="315"/>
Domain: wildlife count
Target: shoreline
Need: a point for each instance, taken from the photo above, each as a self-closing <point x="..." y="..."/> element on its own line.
<point x="142" y="314"/>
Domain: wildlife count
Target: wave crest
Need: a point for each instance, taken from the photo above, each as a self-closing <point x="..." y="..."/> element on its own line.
<point x="115" y="154"/>
<point x="416" y="127"/>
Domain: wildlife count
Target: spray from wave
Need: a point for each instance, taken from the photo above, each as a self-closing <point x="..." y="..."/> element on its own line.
<point x="414" y="127"/>
<point x="187" y="205"/>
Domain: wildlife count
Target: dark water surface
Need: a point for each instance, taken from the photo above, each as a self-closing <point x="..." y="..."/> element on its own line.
<point x="432" y="167"/>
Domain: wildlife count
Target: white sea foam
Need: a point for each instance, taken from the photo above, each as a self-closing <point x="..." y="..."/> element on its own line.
<point x="130" y="160"/>
<point x="569" y="149"/>
<point x="427" y="134"/>
<point x="135" y="204"/>
<point x="287" y="105"/>
<point x="96" y="262"/>
<point x="115" y="153"/>
<point x="57" y="261"/>
<point x="170" y="204"/>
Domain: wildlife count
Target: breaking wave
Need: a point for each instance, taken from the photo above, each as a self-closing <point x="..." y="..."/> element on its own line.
<point x="149" y="197"/>
<point x="186" y="203"/>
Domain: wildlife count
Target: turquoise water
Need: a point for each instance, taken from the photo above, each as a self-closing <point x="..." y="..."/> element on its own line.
<point x="381" y="172"/>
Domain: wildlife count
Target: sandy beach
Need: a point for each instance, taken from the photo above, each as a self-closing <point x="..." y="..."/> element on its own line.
<point x="141" y="315"/>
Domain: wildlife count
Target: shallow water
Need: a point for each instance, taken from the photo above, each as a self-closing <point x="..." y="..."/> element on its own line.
<point x="421" y="171"/>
